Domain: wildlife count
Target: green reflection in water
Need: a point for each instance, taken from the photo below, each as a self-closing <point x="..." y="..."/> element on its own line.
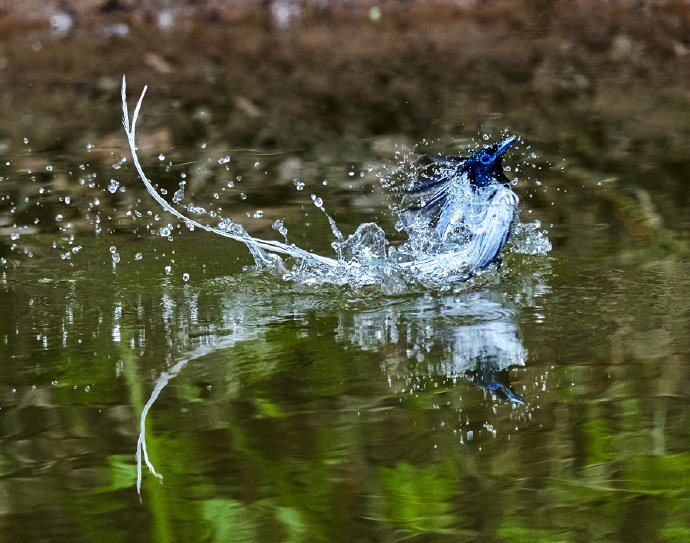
<point x="337" y="415"/>
<point x="418" y="499"/>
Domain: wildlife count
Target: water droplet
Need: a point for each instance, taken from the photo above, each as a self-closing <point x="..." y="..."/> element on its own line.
<point x="113" y="186"/>
<point x="168" y="269"/>
<point x="138" y="256"/>
<point x="58" y="217"/>
<point x="185" y="277"/>
<point x="161" y="157"/>
<point x="225" y="225"/>
<point x="281" y="228"/>
<point x="178" y="196"/>
<point x="318" y="202"/>
<point x="164" y="231"/>
<point x="224" y="159"/>
<point x="258" y="214"/>
<point x="119" y="163"/>
<point x="299" y="185"/>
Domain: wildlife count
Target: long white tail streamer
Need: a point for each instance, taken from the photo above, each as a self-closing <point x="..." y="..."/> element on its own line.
<point x="251" y="242"/>
<point x="142" y="451"/>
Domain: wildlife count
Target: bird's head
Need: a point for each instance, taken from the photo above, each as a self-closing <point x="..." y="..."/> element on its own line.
<point x="486" y="165"/>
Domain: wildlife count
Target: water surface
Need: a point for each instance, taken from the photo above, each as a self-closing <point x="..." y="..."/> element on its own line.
<point x="295" y="413"/>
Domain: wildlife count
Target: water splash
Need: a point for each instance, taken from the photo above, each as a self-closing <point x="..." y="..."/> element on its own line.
<point x="366" y="257"/>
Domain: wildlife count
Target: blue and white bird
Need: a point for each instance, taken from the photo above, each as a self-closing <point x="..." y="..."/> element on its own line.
<point x="462" y="220"/>
<point x="467" y="198"/>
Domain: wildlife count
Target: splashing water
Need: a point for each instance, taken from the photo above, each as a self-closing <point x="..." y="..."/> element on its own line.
<point x="366" y="258"/>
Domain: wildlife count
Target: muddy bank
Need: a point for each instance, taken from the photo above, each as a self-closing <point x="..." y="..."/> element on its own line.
<point x="619" y="81"/>
<point x="281" y="11"/>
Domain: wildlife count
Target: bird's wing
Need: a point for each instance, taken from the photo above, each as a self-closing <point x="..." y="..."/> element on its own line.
<point x="494" y="231"/>
<point x="429" y="183"/>
<point x="447" y="168"/>
<point x="432" y="206"/>
<point x="436" y="187"/>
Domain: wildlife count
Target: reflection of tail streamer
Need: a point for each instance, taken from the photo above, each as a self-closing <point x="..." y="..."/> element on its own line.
<point x="161" y="383"/>
<point x="165" y="377"/>
<point x="251" y="242"/>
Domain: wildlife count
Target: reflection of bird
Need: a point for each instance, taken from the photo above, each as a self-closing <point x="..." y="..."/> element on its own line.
<point x="495" y="382"/>
<point x="508" y="391"/>
<point x="483" y="205"/>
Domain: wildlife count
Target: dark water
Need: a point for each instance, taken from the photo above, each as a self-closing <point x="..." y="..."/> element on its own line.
<point x="295" y="413"/>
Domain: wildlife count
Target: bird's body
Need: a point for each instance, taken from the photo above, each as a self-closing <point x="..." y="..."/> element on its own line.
<point x="467" y="197"/>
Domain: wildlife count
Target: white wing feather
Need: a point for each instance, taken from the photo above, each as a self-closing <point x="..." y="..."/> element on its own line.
<point x="493" y="233"/>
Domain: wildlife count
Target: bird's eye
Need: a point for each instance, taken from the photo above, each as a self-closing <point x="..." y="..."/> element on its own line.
<point x="485" y="159"/>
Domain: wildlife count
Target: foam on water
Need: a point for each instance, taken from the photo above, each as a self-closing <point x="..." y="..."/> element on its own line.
<point x="366" y="257"/>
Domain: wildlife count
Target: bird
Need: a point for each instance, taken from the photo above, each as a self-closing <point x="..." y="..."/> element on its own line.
<point x="468" y="197"/>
